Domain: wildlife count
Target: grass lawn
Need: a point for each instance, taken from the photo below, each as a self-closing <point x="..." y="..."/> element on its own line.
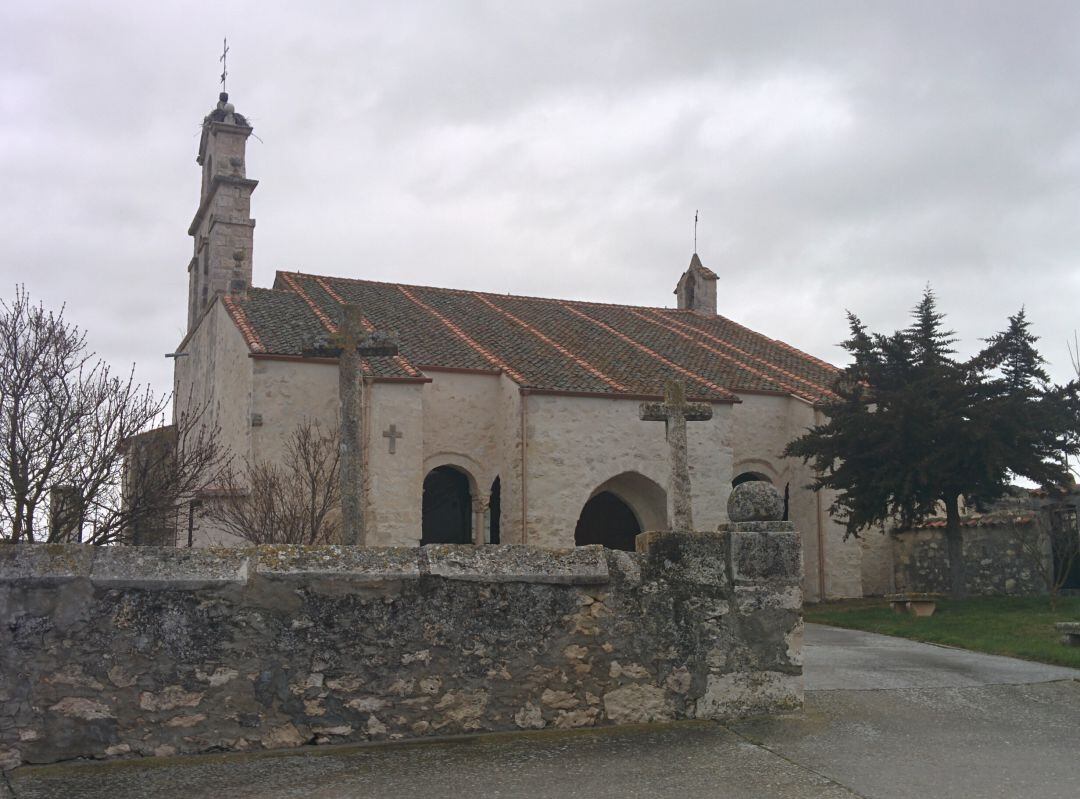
<point x="1020" y="627"/>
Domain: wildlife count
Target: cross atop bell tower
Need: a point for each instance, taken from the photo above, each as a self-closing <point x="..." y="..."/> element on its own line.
<point x="222" y="228"/>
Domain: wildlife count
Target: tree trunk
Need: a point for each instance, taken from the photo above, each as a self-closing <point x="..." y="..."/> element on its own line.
<point x="954" y="538"/>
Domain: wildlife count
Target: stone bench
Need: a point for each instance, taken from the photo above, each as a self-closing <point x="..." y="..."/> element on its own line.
<point x="917" y="604"/>
<point x="1070" y="632"/>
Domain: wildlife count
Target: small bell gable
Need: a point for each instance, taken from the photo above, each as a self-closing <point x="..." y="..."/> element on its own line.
<point x="697" y="288"/>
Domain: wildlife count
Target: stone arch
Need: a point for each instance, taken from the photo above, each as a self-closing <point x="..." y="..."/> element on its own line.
<point x="620" y="508"/>
<point x="748" y="477"/>
<point x="447" y="515"/>
<point x="749" y="469"/>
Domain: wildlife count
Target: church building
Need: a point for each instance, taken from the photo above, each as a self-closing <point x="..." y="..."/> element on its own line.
<point x="503" y="419"/>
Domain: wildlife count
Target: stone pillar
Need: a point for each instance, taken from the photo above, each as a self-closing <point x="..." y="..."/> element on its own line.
<point x="480" y="505"/>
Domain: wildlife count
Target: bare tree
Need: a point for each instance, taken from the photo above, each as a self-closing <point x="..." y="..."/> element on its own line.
<point x="1050" y="551"/>
<point x="65" y="423"/>
<point x="292" y="502"/>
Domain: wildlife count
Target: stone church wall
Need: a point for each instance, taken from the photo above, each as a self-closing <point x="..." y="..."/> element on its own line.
<point x="576" y="444"/>
<point x="395" y="480"/>
<point x="762" y="426"/>
<point x="215" y="378"/>
<point x="124" y="652"/>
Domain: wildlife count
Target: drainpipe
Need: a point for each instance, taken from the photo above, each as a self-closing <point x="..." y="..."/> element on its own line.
<point x="818" y="419"/>
<point x="524" y="467"/>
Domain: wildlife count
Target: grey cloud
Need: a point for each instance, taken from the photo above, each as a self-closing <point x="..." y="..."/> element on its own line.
<point x="842" y="154"/>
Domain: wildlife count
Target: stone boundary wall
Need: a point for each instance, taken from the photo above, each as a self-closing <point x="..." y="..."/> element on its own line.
<point x="137" y="651"/>
<point x="994" y="562"/>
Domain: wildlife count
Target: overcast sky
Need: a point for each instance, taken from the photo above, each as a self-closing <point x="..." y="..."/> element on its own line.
<point x="842" y="155"/>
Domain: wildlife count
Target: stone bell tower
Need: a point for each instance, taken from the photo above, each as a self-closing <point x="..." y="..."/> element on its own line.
<point x="697" y="288"/>
<point x="223" y="228"/>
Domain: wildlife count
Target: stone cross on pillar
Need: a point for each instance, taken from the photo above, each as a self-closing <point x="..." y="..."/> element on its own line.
<point x="675" y="412"/>
<point x="349" y="344"/>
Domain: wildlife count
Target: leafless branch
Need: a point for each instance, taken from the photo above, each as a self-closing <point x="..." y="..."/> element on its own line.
<point x="292" y="502"/>
<point x="66" y="423"/>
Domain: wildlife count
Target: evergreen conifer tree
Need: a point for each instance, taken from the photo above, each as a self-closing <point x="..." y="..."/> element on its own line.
<point x="915" y="429"/>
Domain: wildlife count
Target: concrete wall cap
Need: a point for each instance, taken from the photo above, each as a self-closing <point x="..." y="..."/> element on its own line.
<point x="168" y="567"/>
<point x="359" y="564"/>
<point x="514" y="563"/>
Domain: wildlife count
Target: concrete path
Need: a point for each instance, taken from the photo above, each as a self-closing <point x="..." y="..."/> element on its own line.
<point x="850" y="660"/>
<point x="884" y="718"/>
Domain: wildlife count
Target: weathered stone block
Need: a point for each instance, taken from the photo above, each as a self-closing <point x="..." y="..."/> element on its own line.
<point x="771" y="555"/>
<point x="517" y="564"/>
<point x="168" y="567"/>
<point x="42" y="564"/>
<point x="698" y="558"/>
<point x="355" y="564"/>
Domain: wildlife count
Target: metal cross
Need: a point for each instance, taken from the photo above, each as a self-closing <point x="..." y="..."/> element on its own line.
<point x="349" y="344"/>
<point x="675" y="412"/>
<point x="224" y="63"/>
<point x="393" y="434"/>
<point x="695" y="231"/>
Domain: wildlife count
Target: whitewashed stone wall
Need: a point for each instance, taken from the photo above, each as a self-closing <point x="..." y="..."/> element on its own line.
<point x="575" y="444"/>
<point x="215" y="378"/>
<point x="762" y="425"/>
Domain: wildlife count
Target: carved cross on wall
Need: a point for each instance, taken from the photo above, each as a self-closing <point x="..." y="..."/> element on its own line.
<point x="675" y="412"/>
<point x="349" y="344"/>
<point x="393" y="434"/>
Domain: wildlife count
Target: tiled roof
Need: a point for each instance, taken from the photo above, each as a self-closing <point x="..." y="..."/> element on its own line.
<point x="541" y="344"/>
<point x="1002" y="518"/>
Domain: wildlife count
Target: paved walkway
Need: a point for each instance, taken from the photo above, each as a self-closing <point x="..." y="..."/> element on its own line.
<point x="884" y="718"/>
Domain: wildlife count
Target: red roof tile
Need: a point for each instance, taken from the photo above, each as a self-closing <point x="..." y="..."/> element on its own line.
<point x="541" y="344"/>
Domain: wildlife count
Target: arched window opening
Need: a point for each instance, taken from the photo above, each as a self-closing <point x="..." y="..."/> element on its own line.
<point x="447" y="507"/>
<point x="494" y="511"/>
<point x="609" y="521"/>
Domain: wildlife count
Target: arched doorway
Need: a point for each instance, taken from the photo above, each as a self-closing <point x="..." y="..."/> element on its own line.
<point x="607" y="520"/>
<point x="494" y="511"/>
<point x="447" y="507"/>
<point x="620" y="508"/>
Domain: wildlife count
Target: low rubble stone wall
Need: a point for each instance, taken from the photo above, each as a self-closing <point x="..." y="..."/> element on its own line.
<point x="110" y="652"/>
<point x="994" y="562"/>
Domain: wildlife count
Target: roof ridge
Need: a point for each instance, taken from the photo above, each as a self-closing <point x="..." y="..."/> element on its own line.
<point x="484" y="293"/>
<point x="726" y="356"/>
<point x="778" y="342"/>
<point x="594" y="371"/>
<point x="649" y="351"/>
<point x="791" y="375"/>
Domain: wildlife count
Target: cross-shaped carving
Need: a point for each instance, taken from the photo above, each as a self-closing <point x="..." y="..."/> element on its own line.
<point x="675" y="412"/>
<point x="349" y="344"/>
<point x="393" y="434"/>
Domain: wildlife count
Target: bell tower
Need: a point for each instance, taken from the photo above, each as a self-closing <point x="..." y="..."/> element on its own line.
<point x="697" y="288"/>
<point x="222" y="228"/>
